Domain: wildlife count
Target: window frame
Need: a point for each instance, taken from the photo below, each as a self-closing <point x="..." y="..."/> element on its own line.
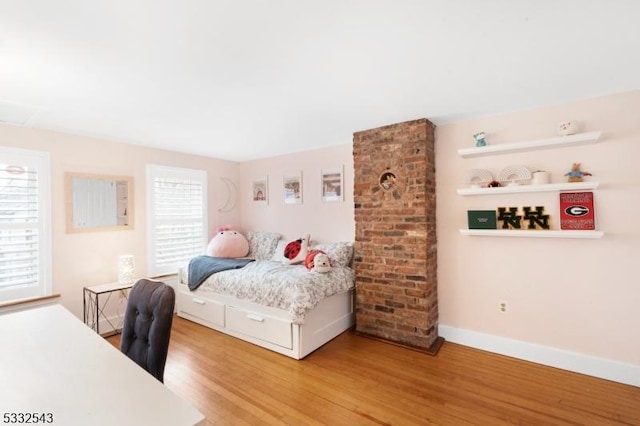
<point x="160" y="171"/>
<point x="41" y="161"/>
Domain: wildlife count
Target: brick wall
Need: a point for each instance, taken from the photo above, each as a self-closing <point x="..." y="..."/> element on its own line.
<point x="395" y="261"/>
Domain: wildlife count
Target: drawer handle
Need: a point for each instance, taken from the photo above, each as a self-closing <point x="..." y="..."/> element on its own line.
<point x="255" y="317"/>
<point x="198" y="301"/>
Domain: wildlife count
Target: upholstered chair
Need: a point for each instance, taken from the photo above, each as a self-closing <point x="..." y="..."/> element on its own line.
<point x="147" y="325"/>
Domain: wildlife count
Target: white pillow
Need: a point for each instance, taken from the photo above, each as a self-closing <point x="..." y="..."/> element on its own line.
<point x="340" y="254"/>
<point x="278" y="254"/>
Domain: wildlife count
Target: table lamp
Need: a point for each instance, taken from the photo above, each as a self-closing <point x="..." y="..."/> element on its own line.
<point x="126" y="265"/>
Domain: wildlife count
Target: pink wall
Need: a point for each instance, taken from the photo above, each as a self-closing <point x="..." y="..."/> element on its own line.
<point x="574" y="295"/>
<point x="325" y="221"/>
<point x="90" y="258"/>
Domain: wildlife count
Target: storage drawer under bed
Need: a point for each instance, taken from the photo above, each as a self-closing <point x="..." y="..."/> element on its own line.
<point x="269" y="329"/>
<point x="202" y="308"/>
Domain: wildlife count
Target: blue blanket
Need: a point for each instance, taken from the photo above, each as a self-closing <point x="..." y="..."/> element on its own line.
<point x="202" y="267"/>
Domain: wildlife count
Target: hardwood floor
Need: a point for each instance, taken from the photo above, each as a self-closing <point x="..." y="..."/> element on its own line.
<point x="354" y="380"/>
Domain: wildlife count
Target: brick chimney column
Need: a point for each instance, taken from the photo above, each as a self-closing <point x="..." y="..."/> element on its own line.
<point x="395" y="215"/>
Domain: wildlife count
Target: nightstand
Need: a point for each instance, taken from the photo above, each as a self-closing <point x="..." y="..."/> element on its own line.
<point x="96" y="298"/>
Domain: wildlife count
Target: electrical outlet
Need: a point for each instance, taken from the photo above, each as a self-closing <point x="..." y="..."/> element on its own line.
<point x="503" y="306"/>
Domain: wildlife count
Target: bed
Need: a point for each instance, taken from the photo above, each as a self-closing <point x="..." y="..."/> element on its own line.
<point x="284" y="308"/>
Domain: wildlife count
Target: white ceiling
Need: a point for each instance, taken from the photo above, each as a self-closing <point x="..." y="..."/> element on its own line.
<point x="248" y="79"/>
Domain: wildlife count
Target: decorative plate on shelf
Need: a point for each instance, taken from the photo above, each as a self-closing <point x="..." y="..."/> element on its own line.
<point x="478" y="177"/>
<point x="514" y="174"/>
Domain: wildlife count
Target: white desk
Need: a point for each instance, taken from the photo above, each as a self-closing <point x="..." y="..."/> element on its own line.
<point x="50" y="362"/>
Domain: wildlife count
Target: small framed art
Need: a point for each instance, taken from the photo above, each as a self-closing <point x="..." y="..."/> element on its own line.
<point x="332" y="184"/>
<point x="260" y="191"/>
<point x="292" y="187"/>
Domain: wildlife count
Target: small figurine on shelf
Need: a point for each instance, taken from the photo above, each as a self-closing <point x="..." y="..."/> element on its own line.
<point x="479" y="137"/>
<point x="494" y="184"/>
<point x="568" y="128"/>
<point x="575" y="175"/>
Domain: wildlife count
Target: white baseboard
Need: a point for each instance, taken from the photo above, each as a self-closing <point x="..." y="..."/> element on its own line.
<point x="572" y="361"/>
<point x="116" y="320"/>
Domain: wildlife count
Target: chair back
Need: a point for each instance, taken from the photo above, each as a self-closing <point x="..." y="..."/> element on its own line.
<point x="147" y="325"/>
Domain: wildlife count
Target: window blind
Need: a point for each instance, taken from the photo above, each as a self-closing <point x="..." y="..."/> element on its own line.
<point x="178" y="225"/>
<point x="19" y="232"/>
<point x="24" y="252"/>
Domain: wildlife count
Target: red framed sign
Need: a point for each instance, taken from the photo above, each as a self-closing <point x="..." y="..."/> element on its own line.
<point x="576" y="211"/>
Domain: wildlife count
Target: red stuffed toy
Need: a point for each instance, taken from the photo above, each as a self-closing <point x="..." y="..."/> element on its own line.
<point x="317" y="261"/>
<point x="296" y="250"/>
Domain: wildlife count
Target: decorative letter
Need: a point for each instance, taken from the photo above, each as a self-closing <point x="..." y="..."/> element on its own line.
<point x="536" y="217"/>
<point x="509" y="217"/>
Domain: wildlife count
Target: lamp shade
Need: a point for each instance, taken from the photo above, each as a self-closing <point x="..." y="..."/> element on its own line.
<point x="126" y="267"/>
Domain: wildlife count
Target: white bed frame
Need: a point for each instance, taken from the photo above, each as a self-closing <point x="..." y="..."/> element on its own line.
<point x="265" y="326"/>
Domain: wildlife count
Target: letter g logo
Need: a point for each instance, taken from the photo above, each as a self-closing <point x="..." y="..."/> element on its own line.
<point x="576" y="211"/>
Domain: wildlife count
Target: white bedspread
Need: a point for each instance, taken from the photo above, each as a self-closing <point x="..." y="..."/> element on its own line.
<point x="289" y="287"/>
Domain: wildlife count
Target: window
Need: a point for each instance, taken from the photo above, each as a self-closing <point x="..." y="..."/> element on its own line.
<point x="177" y="225"/>
<point x="25" y="224"/>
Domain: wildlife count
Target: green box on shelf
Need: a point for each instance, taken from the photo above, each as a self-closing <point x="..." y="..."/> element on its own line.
<point x="482" y="219"/>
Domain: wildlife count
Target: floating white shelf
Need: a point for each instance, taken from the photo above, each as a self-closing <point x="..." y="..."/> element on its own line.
<point x="548" y="143"/>
<point x="550" y="187"/>
<point x="531" y="233"/>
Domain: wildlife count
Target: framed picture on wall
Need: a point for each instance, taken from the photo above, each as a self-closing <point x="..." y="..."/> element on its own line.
<point x="260" y="191"/>
<point x="292" y="186"/>
<point x="332" y="184"/>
